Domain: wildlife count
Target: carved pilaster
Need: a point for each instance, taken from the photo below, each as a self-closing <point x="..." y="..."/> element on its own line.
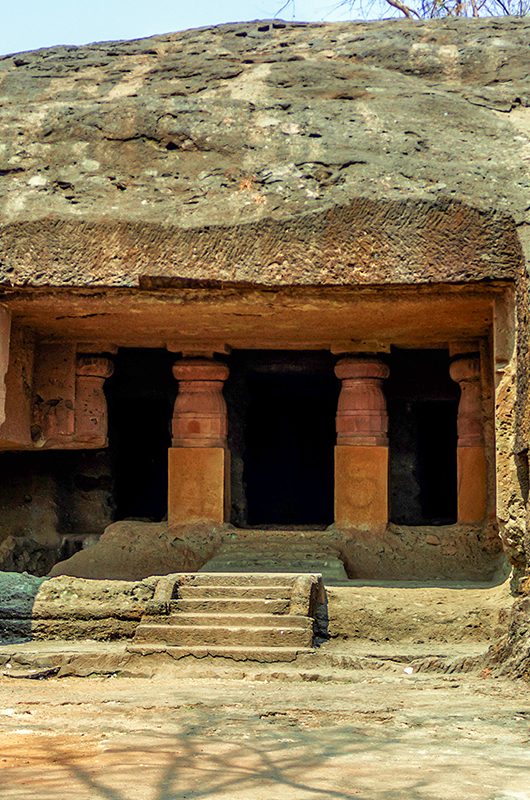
<point x="471" y="456"/>
<point x="5" y="335"/>
<point x="91" y="415"/>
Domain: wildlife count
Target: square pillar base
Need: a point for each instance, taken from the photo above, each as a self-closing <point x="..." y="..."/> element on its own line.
<point x="197" y="481"/>
<point x="472" y="484"/>
<point x="361" y="486"/>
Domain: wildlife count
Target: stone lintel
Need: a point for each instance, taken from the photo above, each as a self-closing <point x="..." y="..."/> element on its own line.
<point x="198" y="349"/>
<point x="97" y="347"/>
<point x="463" y="347"/>
<point x="360" y="346"/>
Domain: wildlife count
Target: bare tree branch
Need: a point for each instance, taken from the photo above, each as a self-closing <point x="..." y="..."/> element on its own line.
<point x="429" y="9"/>
<point x="408" y="12"/>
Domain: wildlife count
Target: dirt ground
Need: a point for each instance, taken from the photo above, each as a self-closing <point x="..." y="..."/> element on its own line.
<point x="363" y="734"/>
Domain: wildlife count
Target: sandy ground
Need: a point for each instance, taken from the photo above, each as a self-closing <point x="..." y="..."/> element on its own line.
<point x="369" y="735"/>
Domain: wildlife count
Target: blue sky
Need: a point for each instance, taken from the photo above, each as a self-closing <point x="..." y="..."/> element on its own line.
<point x="29" y="24"/>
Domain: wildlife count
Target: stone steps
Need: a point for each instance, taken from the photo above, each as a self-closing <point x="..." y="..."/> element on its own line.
<point x="237" y="620"/>
<point x="236" y="592"/>
<point x="331" y="569"/>
<point x="236" y="653"/>
<point x="240" y="616"/>
<point x="275" y="551"/>
<point x="226" y="634"/>
<point x="230" y="605"/>
<point x="235" y="578"/>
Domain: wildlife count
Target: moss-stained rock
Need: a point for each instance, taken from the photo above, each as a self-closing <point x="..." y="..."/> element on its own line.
<point x="17" y="599"/>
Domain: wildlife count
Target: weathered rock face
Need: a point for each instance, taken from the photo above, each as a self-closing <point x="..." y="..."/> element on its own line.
<point x="132" y="550"/>
<point x="71" y="608"/>
<point x="510" y="655"/>
<point x="130" y="159"/>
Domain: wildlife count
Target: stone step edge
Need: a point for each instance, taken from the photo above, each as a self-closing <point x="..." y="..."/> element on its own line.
<point x="193" y="576"/>
<point x="247" y="586"/>
<point x="235" y="652"/>
<point x="224" y="628"/>
<point x="245" y="619"/>
<point x="211" y="599"/>
<point x="215" y="605"/>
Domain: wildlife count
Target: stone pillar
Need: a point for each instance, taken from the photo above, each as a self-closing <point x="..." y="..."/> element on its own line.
<point x="5" y="337"/>
<point x="471" y="456"/>
<point x="199" y="460"/>
<point x="91" y="414"/>
<point x="361" y="454"/>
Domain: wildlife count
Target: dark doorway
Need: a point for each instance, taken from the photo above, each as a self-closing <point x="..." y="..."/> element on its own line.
<point x="282" y="409"/>
<point x="422" y="405"/>
<point x="140" y="395"/>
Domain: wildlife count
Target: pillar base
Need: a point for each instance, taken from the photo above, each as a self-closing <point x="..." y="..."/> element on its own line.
<point x="361" y="486"/>
<point x="197" y="481"/>
<point x="472" y="484"/>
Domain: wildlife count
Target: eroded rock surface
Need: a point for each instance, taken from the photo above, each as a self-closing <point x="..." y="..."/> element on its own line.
<point x="132" y="550"/>
<point x="201" y="154"/>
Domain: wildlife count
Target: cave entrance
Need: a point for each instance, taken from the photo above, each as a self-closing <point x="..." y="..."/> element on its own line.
<point x="140" y="396"/>
<point x="422" y="407"/>
<point x="281" y="412"/>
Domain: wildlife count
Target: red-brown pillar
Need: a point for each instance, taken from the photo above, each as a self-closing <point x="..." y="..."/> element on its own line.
<point x="198" y="460"/>
<point x="471" y="455"/>
<point x="91" y="415"/>
<point x="361" y="454"/>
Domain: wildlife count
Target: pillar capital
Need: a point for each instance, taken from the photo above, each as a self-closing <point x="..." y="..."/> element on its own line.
<point x="199" y="369"/>
<point x="465" y="368"/>
<point x="199" y="416"/>
<point x="89" y="366"/>
<point x="361" y="368"/>
<point x="362" y="417"/>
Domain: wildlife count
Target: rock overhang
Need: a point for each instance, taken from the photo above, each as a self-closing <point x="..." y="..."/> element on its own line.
<point x="268" y="152"/>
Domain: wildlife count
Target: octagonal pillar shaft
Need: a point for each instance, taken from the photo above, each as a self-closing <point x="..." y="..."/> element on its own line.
<point x="198" y="478"/>
<point x="361" y="453"/>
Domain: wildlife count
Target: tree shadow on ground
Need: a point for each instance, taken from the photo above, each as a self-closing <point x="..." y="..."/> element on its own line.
<point x="281" y="755"/>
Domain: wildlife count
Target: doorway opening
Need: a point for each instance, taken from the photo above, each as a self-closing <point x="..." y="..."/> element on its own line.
<point x="281" y="422"/>
<point x="140" y="396"/>
<point x="422" y="407"/>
